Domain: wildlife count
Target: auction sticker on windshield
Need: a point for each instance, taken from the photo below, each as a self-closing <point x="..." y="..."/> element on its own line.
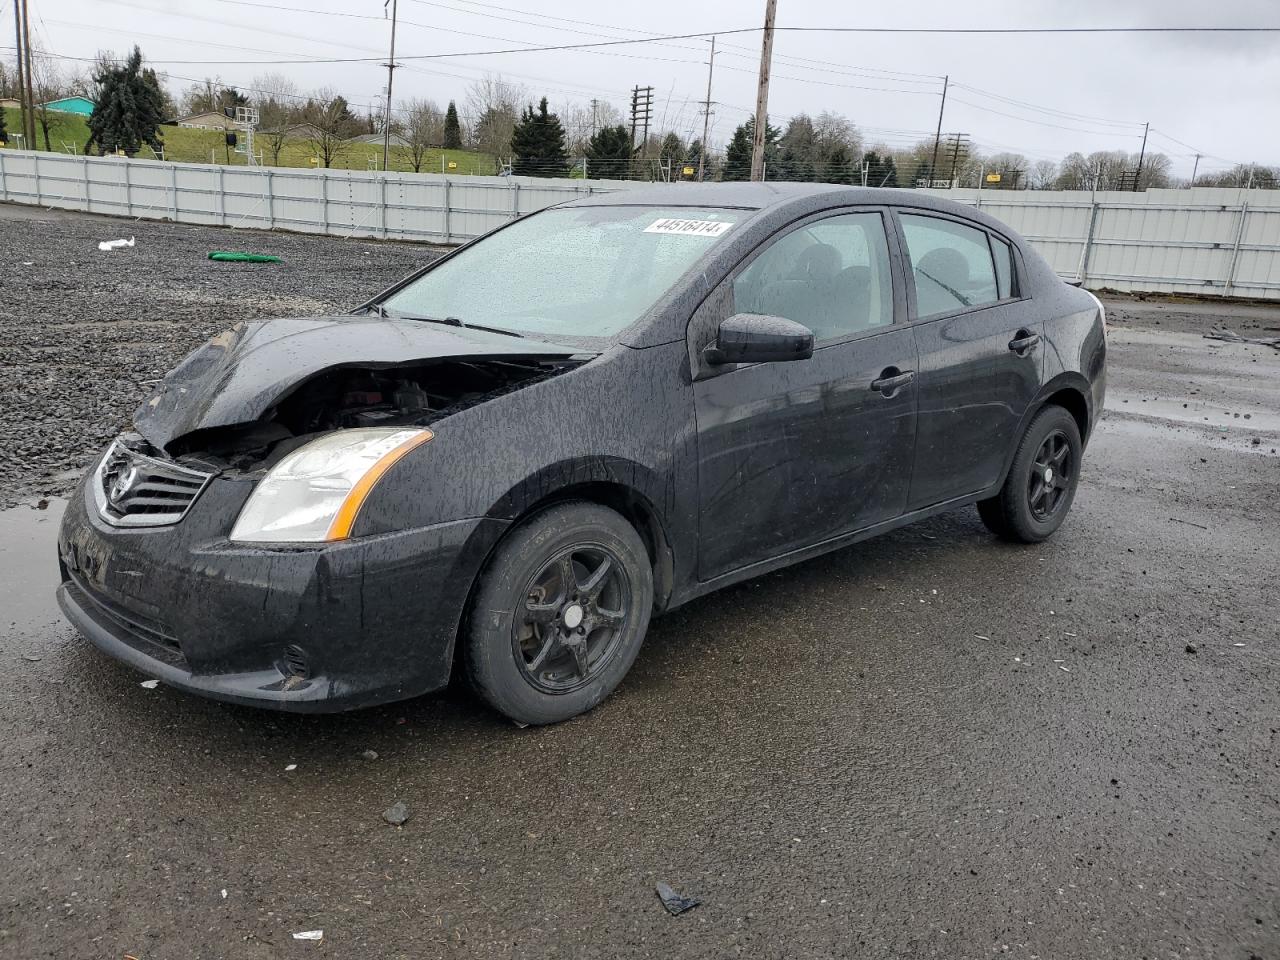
<point x="698" y="228"/>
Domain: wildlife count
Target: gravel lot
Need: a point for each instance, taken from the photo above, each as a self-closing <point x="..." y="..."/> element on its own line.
<point x="929" y="745"/>
<point x="76" y="356"/>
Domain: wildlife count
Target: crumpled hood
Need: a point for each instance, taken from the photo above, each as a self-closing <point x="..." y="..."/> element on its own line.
<point x="243" y="372"/>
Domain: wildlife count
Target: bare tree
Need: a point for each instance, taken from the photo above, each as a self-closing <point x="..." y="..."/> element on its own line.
<point x="494" y="105"/>
<point x="332" y="124"/>
<point x="8" y="79"/>
<point x="277" y="100"/>
<point x="1043" y="175"/>
<point x="833" y="130"/>
<point x="423" y="128"/>
<point x="47" y="83"/>
<point x="582" y="120"/>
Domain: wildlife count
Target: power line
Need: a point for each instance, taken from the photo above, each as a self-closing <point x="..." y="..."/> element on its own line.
<point x="1049" y="111"/>
<point x="1042" y="123"/>
<point x="738" y="30"/>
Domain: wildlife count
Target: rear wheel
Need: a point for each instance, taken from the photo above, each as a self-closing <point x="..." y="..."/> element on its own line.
<point x="1041" y="484"/>
<point x="560" y="614"/>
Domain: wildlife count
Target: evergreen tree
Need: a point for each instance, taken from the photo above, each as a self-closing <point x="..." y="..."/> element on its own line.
<point x="798" y="155"/>
<point x="537" y="144"/>
<point x="673" y="148"/>
<point x="737" y="158"/>
<point x="129" y="109"/>
<point x="608" y="153"/>
<point x="167" y="107"/>
<point x="4" y="133"/>
<point x="881" y="171"/>
<point x="840" y="167"/>
<point x="452" y="129"/>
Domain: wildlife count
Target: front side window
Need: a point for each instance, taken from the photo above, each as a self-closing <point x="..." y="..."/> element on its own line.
<point x="951" y="264"/>
<point x="831" y="275"/>
<point x="578" y="273"/>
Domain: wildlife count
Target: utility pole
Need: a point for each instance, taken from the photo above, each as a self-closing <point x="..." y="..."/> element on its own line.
<point x="706" y="113"/>
<point x="1137" y="177"/>
<point x="1194" y="167"/>
<point x="762" y="93"/>
<point x="29" y="134"/>
<point x="937" y="137"/>
<point x="391" y="69"/>
<point x="22" y="83"/>
<point x="595" y="114"/>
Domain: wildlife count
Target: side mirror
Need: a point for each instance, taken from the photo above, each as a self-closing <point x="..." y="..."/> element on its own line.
<point x="756" y="338"/>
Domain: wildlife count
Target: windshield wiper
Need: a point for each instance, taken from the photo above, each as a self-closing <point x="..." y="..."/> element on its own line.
<point x="382" y="311"/>
<point x="455" y="322"/>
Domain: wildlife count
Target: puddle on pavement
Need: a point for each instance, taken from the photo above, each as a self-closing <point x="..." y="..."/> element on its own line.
<point x="1195" y="412"/>
<point x="29" y="566"/>
<point x="1156" y="430"/>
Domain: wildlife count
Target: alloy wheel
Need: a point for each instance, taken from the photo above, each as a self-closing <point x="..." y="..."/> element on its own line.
<point x="1052" y="472"/>
<point x="575" y="608"/>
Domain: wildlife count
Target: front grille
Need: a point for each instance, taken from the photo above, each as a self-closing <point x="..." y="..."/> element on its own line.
<point x="149" y="636"/>
<point x="136" y="490"/>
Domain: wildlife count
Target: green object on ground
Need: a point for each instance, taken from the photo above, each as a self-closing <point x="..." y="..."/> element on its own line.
<point x="237" y="256"/>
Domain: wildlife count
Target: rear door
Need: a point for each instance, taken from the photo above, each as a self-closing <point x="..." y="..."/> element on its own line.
<point x="981" y="353"/>
<point x="793" y="453"/>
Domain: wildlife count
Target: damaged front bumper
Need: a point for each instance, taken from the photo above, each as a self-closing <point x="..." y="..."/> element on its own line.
<point x="321" y="627"/>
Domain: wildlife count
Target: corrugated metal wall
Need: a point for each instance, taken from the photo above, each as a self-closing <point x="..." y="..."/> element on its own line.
<point x="1222" y="242"/>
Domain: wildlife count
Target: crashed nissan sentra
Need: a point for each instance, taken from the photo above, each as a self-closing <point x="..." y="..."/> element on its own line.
<point x="515" y="457"/>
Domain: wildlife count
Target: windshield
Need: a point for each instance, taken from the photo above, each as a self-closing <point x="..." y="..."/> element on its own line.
<point x="573" y="272"/>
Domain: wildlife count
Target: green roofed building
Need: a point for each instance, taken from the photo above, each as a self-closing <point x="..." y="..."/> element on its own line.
<point x="79" y="105"/>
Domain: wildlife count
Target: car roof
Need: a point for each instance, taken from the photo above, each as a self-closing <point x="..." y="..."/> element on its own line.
<point x="774" y="195"/>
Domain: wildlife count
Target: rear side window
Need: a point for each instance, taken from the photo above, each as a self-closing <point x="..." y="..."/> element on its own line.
<point x="1004" y="267"/>
<point x="951" y="264"/>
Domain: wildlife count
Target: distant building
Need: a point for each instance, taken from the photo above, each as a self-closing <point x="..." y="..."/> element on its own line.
<point x="82" y="106"/>
<point x="304" y="131"/>
<point x="209" y="120"/>
<point x="10" y="103"/>
<point x="376" y="139"/>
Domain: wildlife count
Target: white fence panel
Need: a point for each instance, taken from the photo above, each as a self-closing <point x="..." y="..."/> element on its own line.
<point x="1202" y="241"/>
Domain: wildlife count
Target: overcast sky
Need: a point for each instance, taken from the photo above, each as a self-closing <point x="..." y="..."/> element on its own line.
<point x="1220" y="94"/>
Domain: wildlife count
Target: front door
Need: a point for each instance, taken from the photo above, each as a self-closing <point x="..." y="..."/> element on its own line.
<point x="794" y="453"/>
<point x="981" y="355"/>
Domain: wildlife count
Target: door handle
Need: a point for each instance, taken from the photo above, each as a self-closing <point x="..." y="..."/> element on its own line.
<point x="891" y="379"/>
<point x="1023" y="341"/>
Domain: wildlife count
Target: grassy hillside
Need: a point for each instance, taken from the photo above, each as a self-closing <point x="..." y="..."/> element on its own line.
<point x="208" y="146"/>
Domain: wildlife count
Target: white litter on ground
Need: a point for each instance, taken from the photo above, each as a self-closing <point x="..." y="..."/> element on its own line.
<point x="149" y="684"/>
<point x="309" y="935"/>
<point x="115" y="244"/>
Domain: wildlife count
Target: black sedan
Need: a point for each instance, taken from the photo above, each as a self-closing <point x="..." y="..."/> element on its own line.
<point x="521" y="453"/>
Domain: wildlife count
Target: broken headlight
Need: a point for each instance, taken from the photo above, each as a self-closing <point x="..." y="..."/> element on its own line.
<point x="315" y="493"/>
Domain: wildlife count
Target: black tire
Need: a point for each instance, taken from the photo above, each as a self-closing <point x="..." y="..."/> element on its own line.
<point x="1028" y="508"/>
<point x="540" y="646"/>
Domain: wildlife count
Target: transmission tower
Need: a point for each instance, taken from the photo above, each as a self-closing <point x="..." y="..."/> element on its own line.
<point x="958" y="144"/>
<point x="641" y="113"/>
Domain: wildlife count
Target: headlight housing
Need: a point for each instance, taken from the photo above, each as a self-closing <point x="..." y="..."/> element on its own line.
<point x="314" y="494"/>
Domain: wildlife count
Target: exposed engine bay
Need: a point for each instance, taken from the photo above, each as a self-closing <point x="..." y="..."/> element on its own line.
<point x="347" y="397"/>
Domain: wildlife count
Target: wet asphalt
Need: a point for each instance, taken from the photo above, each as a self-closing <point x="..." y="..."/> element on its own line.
<point x="932" y="744"/>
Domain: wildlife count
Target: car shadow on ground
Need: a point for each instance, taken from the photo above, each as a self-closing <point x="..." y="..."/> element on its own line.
<point x="698" y="647"/>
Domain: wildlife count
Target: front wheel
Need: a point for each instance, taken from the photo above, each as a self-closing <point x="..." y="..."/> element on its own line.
<point x="560" y="614"/>
<point x="1042" y="480"/>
